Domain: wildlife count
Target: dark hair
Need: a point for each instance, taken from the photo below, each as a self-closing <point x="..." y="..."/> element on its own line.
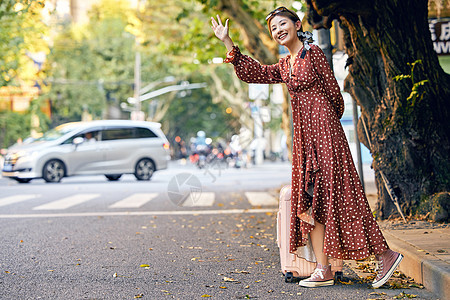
<point x="284" y="13"/>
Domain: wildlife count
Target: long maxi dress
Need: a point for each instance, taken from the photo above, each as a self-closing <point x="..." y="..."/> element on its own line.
<point x="325" y="185"/>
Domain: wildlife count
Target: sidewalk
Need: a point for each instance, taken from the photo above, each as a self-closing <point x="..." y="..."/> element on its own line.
<point x="426" y="250"/>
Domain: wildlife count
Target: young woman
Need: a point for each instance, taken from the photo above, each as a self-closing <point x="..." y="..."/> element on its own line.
<point x="328" y="201"/>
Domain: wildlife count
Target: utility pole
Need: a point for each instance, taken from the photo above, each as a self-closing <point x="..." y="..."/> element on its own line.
<point x="138" y="115"/>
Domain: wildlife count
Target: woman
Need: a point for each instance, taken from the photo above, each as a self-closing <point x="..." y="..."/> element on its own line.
<point x="328" y="201"/>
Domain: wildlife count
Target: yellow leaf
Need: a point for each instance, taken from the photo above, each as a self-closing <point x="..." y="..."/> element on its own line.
<point x="222" y="287"/>
<point x="138" y="296"/>
<point x="347" y="283"/>
<point x="144" y="266"/>
<point x="206" y="296"/>
<point x="228" y="279"/>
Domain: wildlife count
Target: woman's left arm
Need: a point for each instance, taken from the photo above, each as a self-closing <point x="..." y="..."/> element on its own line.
<point x="327" y="78"/>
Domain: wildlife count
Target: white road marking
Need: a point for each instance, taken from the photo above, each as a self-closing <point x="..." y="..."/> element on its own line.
<point x="67" y="202"/>
<point x="261" y="199"/>
<point x="199" y="199"/>
<point x="17" y="199"/>
<point x="134" y="201"/>
<point x="142" y="213"/>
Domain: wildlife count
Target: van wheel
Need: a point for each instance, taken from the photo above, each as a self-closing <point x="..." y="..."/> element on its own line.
<point x="113" y="177"/>
<point x="144" y="169"/>
<point x="53" y="171"/>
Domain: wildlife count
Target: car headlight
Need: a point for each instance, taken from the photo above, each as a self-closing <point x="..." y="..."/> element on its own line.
<point x="23" y="154"/>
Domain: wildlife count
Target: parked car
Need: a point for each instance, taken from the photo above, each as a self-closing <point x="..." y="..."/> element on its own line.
<point x="107" y="147"/>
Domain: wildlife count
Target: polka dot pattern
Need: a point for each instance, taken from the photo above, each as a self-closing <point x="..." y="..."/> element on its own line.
<point x="324" y="176"/>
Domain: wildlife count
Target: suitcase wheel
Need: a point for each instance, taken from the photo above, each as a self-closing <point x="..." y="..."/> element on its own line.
<point x="289" y="277"/>
<point x="338" y="275"/>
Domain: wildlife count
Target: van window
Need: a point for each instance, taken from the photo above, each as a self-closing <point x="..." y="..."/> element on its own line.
<point x="127" y="133"/>
<point x="117" y="134"/>
<point x="144" y="133"/>
<point x="89" y="136"/>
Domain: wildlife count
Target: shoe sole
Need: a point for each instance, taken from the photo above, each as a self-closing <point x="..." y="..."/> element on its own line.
<point x="316" y="283"/>
<point x="388" y="275"/>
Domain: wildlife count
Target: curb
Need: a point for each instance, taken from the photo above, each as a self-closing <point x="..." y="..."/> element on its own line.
<point x="424" y="267"/>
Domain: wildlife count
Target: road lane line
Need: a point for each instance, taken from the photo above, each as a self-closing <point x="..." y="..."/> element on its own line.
<point x="142" y="213"/>
<point x="67" y="202"/>
<point x="134" y="201"/>
<point x="261" y="199"/>
<point x="200" y="199"/>
<point x="16" y="199"/>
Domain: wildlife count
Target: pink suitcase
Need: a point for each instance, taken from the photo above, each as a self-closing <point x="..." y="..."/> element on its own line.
<point x="293" y="266"/>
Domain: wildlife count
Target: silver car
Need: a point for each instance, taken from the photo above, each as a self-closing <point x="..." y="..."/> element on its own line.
<point x="107" y="147"/>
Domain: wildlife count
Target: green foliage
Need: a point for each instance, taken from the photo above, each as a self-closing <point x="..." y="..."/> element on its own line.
<point x="417" y="93"/>
<point x="21" y="31"/>
<point x="92" y="64"/>
<point x="12" y="127"/>
<point x="196" y="111"/>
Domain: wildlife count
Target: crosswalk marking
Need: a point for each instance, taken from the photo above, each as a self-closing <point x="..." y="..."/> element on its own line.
<point x="67" y="202"/>
<point x="17" y="199"/>
<point x="199" y="199"/>
<point x="194" y="199"/>
<point x="261" y="198"/>
<point x="134" y="201"/>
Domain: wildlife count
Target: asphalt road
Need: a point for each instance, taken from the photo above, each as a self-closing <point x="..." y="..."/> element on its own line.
<point x="186" y="234"/>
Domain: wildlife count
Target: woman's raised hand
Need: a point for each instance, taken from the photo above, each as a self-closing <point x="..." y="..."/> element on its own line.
<point x="220" y="31"/>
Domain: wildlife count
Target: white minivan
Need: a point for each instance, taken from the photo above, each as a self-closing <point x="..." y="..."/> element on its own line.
<point x="106" y="147"/>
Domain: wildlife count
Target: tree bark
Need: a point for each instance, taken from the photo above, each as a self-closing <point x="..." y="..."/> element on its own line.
<point x="408" y="138"/>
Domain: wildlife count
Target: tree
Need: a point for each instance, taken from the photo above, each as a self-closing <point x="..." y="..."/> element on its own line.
<point x="20" y="34"/>
<point x="407" y="117"/>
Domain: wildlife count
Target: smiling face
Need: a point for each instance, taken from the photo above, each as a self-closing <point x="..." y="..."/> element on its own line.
<point x="284" y="30"/>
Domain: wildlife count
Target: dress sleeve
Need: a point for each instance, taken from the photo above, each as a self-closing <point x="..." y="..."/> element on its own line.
<point x="250" y="70"/>
<point x="328" y="80"/>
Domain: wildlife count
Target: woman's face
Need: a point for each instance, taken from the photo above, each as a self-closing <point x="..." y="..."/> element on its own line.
<point x="283" y="29"/>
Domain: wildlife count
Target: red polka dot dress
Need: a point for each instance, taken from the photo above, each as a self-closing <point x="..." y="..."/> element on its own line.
<point x="325" y="184"/>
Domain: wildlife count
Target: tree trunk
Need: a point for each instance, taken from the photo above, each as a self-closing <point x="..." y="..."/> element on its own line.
<point x="407" y="133"/>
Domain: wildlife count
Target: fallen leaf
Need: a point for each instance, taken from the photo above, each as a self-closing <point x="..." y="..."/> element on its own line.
<point x="138" y="296"/>
<point x="420" y="286"/>
<point x="144" y="266"/>
<point x="403" y="295"/>
<point x="228" y="279"/>
<point x="346" y="282"/>
<point x="206" y="296"/>
<point x="115" y="275"/>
